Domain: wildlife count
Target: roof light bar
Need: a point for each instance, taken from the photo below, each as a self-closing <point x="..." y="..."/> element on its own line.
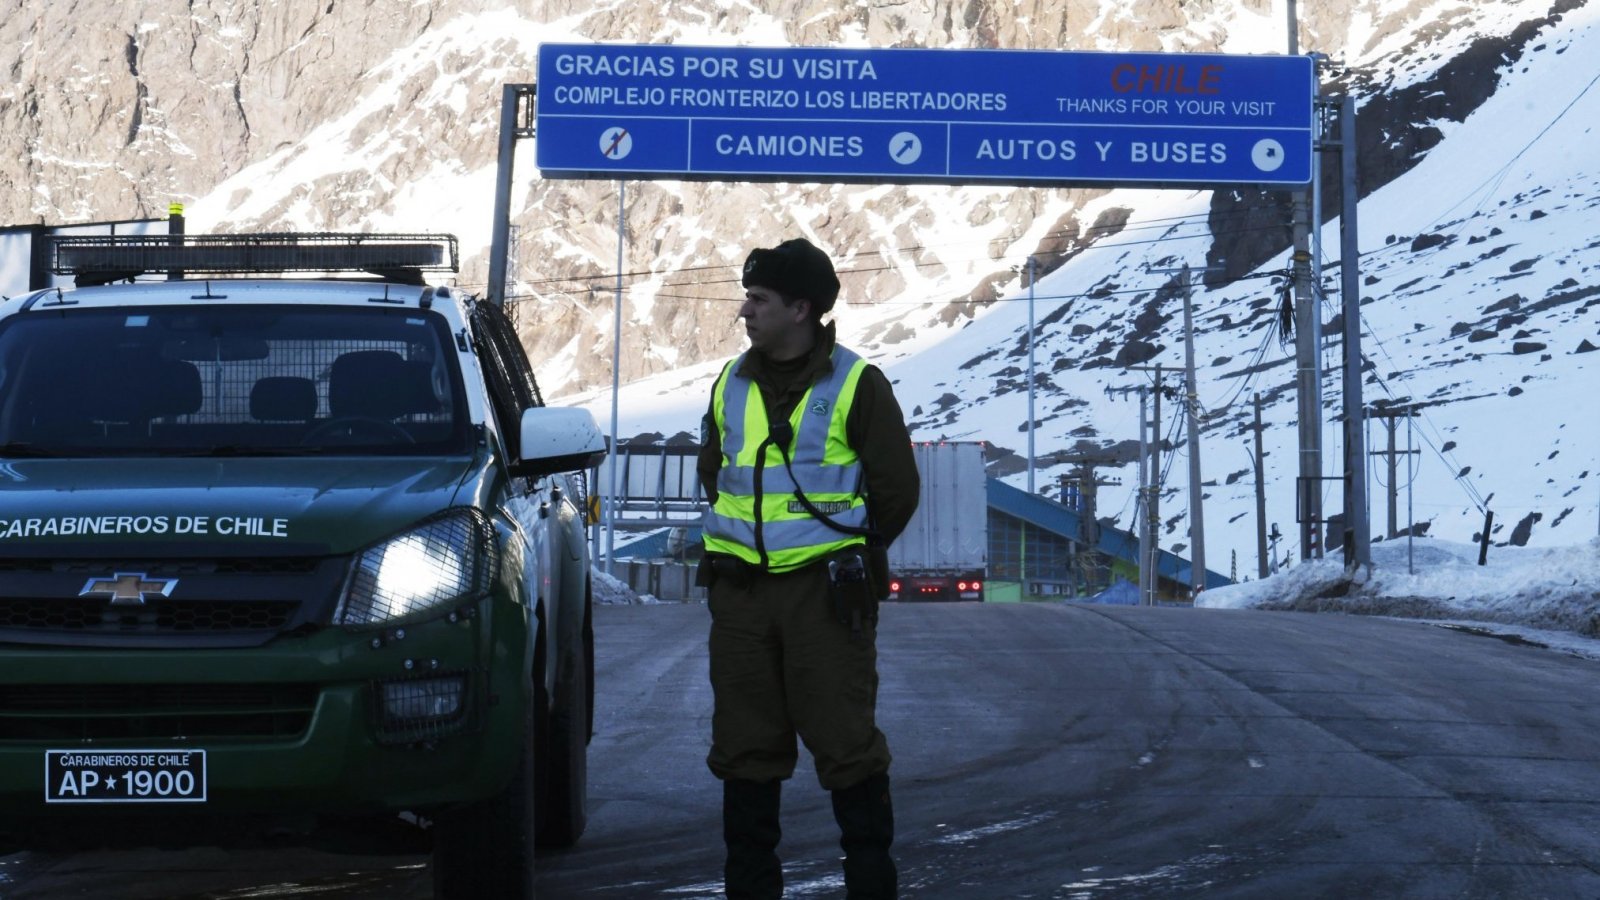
<point x="110" y="257"/>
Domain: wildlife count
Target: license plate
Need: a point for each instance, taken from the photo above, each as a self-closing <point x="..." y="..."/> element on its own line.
<point x="125" y="776"/>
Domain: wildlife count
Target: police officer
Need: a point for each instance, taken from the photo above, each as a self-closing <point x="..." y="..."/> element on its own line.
<point x="808" y="466"/>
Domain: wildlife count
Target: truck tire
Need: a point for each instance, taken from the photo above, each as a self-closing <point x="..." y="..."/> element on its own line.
<point x="485" y="849"/>
<point x="562" y="807"/>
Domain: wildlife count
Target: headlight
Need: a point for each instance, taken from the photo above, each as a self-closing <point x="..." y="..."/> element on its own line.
<point x="437" y="563"/>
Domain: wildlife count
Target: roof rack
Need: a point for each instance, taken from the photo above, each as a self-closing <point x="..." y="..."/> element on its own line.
<point x="101" y="259"/>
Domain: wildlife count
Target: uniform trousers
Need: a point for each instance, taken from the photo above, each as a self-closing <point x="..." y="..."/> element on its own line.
<point x="783" y="665"/>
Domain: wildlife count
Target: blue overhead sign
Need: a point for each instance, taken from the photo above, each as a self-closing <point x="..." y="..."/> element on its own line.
<point x="936" y="116"/>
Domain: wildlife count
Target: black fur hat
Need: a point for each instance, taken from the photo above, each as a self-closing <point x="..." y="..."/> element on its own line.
<point x="797" y="269"/>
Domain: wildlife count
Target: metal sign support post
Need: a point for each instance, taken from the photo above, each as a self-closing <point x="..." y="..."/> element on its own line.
<point x="616" y="375"/>
<point x="516" y="121"/>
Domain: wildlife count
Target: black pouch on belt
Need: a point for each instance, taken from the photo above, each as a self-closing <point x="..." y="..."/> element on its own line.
<point x="850" y="591"/>
<point x="717" y="567"/>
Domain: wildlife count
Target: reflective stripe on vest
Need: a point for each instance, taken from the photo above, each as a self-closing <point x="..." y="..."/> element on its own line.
<point x="757" y="516"/>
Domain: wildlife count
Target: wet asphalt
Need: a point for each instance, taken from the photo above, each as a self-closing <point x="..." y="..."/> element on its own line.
<point x="1059" y="751"/>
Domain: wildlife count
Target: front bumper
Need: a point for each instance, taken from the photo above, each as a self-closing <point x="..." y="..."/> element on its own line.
<point x="296" y="726"/>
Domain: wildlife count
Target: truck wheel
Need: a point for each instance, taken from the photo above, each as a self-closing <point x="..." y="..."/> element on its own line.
<point x="485" y="849"/>
<point x="562" y="810"/>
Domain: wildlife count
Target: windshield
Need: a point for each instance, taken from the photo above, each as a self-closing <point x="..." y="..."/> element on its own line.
<point x="244" y="380"/>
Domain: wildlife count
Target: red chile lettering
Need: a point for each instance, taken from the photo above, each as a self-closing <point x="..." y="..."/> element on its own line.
<point x="1165" y="79"/>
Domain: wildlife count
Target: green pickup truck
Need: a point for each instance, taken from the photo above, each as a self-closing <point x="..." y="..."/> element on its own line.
<point x="279" y="549"/>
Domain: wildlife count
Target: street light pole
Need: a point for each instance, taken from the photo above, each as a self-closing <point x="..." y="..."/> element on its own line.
<point x="1032" y="277"/>
<point x="616" y="382"/>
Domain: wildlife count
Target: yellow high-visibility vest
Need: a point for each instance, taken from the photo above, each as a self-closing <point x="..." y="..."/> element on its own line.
<point x="757" y="516"/>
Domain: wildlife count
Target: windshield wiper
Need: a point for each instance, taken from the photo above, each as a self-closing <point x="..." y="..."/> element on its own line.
<point x="24" y="449"/>
<point x="243" y="450"/>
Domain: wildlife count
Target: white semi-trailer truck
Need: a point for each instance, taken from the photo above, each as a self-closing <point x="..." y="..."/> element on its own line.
<point x="944" y="552"/>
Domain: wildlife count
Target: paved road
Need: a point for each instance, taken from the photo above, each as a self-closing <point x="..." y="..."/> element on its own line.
<point x="1064" y="751"/>
<point x="1078" y="751"/>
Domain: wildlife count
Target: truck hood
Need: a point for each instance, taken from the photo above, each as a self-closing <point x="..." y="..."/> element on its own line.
<point x="190" y="506"/>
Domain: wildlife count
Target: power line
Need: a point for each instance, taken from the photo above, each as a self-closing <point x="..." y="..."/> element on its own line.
<point x="1249" y="375"/>
<point x="1170" y="223"/>
<point x="1497" y="176"/>
<point x="1471" y="492"/>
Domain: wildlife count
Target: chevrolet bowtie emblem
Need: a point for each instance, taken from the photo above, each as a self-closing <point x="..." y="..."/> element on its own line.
<point x="128" y="588"/>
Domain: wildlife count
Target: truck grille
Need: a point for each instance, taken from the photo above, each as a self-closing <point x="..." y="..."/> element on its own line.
<point x="216" y="602"/>
<point x="72" y="712"/>
<point x="167" y="616"/>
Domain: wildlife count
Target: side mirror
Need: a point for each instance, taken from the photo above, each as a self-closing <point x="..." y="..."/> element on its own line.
<point x="558" y="439"/>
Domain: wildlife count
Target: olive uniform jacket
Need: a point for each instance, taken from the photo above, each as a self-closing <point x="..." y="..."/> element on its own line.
<point x="876" y="430"/>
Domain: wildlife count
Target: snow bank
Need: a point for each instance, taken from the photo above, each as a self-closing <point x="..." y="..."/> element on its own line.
<point x="1548" y="588"/>
<point x="610" y="590"/>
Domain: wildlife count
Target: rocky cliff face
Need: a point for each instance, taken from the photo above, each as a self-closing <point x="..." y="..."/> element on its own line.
<point x="352" y="114"/>
<point x="113" y="110"/>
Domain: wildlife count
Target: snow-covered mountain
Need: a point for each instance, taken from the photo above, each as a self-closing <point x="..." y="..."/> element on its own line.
<point x="1479" y="254"/>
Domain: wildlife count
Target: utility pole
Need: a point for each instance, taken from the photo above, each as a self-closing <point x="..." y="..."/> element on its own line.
<point x="1148" y="516"/>
<point x="1389" y="416"/>
<point x="1088" y="560"/>
<point x="1140" y="521"/>
<point x="1358" y="538"/>
<point x="1150" y="555"/>
<point x="1307" y="347"/>
<point x="1152" y="507"/>
<point x="1197" y="521"/>
<point x="1191" y="402"/>
<point x="1411" y="519"/>
<point x="1261" y="497"/>
<point x="1089" y="529"/>
<point x="1144" y="499"/>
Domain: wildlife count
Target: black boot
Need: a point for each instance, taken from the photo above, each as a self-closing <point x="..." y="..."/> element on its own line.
<point x="750" y="829"/>
<point x="866" y="829"/>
